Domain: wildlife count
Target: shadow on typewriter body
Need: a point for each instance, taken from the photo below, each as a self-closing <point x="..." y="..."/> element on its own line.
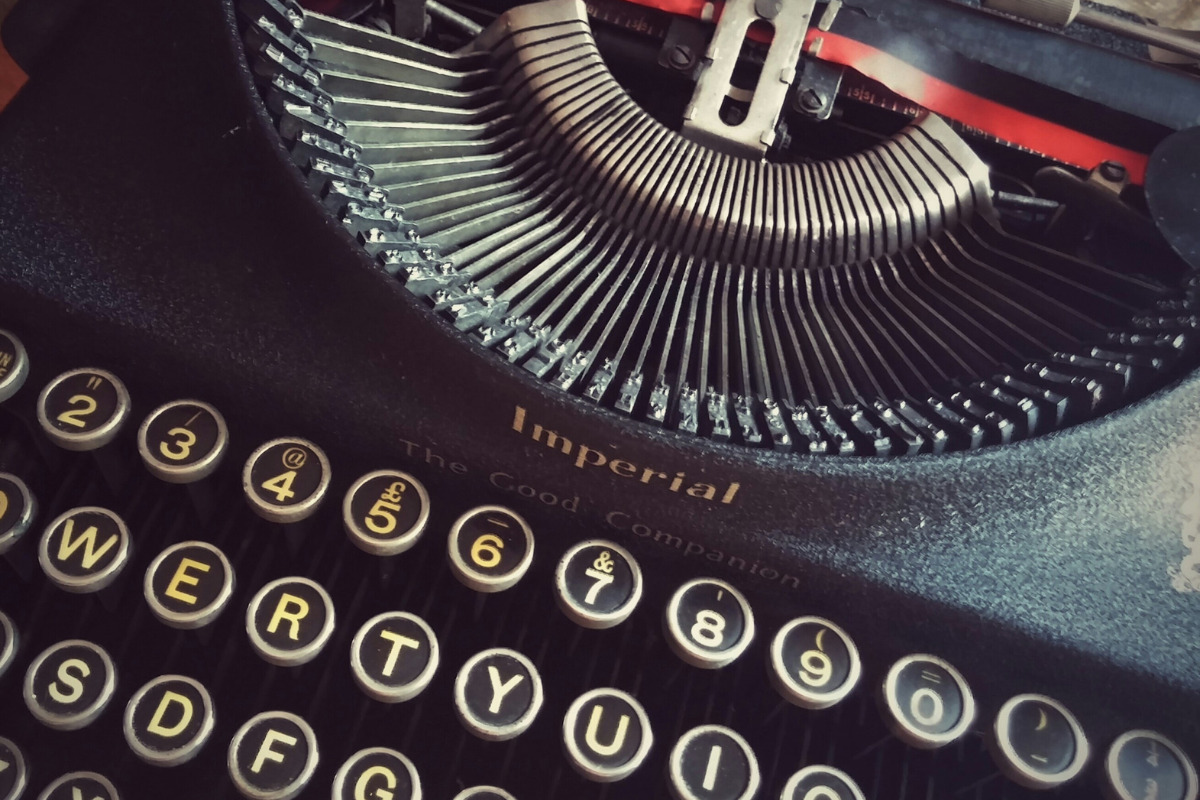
<point x="271" y="528"/>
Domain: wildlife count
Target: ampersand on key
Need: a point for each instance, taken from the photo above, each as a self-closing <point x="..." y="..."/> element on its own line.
<point x="604" y="563"/>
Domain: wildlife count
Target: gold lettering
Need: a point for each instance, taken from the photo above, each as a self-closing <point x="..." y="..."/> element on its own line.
<point x="584" y="452"/>
<point x="622" y="468"/>
<point x="299" y="612"/>
<point x="182" y="576"/>
<point x="364" y="781"/>
<point x="594" y="726"/>
<point x="584" y="456"/>
<point x="91" y="554"/>
<point x="398" y="643"/>
<point x="265" y="753"/>
<point x="74" y="684"/>
<point x="156" y="726"/>
<point x="552" y="439"/>
<point x="648" y="473"/>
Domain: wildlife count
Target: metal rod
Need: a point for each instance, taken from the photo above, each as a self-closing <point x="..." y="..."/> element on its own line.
<point x="1165" y="38"/>
<point x="465" y="24"/>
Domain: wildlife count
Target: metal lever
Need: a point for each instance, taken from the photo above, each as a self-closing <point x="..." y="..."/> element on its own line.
<point x="752" y="136"/>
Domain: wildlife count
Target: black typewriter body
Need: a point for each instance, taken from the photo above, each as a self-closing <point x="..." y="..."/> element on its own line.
<point x="152" y="224"/>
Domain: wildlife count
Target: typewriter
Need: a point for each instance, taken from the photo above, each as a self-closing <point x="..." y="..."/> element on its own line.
<point x="681" y="399"/>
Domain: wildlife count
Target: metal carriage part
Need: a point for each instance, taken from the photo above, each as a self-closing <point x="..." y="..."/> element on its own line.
<point x="868" y="304"/>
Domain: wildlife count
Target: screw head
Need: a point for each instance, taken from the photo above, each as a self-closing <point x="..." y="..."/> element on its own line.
<point x="810" y="100"/>
<point x="681" y="56"/>
<point x="768" y="9"/>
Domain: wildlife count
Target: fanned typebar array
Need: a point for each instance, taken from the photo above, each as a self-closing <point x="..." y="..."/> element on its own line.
<point x="868" y="304"/>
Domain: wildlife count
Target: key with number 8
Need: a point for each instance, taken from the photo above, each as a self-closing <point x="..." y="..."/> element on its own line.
<point x="708" y="623"/>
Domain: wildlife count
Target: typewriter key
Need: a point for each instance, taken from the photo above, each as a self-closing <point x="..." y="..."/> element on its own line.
<point x="273" y="756"/>
<point x="483" y="793"/>
<point x="385" y="512"/>
<point x="183" y="441"/>
<point x="926" y="702"/>
<point x="708" y="623"/>
<point x="76" y="785"/>
<point x="84" y="549"/>
<point x="607" y="735"/>
<point x="490" y="548"/>
<point x="813" y="663"/>
<point x="394" y="656"/>
<point x="1143" y="764"/>
<point x="17" y="508"/>
<point x="289" y="621"/>
<point x="377" y="772"/>
<point x="598" y="584"/>
<point x="83" y="409"/>
<point x="497" y="694"/>
<point x="1037" y="742"/>
<point x="9" y="639"/>
<point x="69" y="684"/>
<point x="168" y="720"/>
<point x="285" y="480"/>
<point x="14" y="368"/>
<point x="13" y="774"/>
<point x="188" y="585"/>
<point x="712" y="762"/>
<point x="821" y="783"/>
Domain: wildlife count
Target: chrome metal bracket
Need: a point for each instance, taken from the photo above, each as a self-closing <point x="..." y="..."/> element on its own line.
<point x="756" y="132"/>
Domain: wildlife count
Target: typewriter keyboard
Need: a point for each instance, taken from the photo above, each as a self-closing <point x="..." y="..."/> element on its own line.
<point x="199" y="608"/>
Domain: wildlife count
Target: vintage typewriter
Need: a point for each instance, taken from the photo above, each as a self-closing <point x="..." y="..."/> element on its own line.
<point x="768" y="398"/>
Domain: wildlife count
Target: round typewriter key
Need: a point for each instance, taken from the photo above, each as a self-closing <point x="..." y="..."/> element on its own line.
<point x="8" y="643"/>
<point x="607" y="735"/>
<point x="17" y="508"/>
<point x="712" y="762"/>
<point x="708" y="623"/>
<point x="385" y="512"/>
<point x="189" y="584"/>
<point x="83" y="409"/>
<point x="394" y="656"/>
<point x="14" y="368"/>
<point x="168" y="720"/>
<point x="76" y="785"/>
<point x="1037" y="742"/>
<point x="821" y="783"/>
<point x="1143" y="764"/>
<point x="273" y="756"/>
<point x="183" y="441"/>
<point x="813" y="663"/>
<point x="926" y="702"/>
<point x="598" y="584"/>
<point x="490" y="548"/>
<point x="13" y="774"/>
<point x="377" y="772"/>
<point x="289" y="621"/>
<point x="69" y="684"/>
<point x="497" y="694"/>
<point x="84" y="549"/>
<point x="483" y="793"/>
<point x="285" y="480"/>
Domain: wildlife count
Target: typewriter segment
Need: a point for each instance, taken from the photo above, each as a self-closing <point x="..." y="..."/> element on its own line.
<point x="234" y="656"/>
<point x="868" y="303"/>
<point x="208" y="593"/>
